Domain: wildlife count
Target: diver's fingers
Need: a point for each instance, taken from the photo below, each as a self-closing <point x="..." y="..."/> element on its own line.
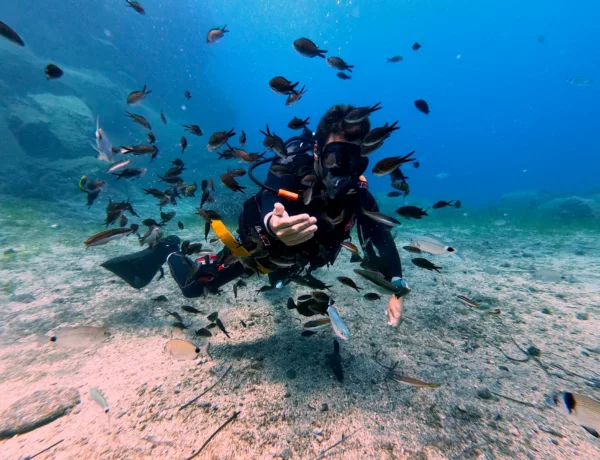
<point x="300" y="239"/>
<point x="278" y="210"/>
<point x="285" y="222"/>
<point x="301" y="226"/>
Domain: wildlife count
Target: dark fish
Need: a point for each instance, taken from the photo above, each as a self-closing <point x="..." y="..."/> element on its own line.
<point x="194" y="129"/>
<point x="176" y="180"/>
<point x="205" y="197"/>
<point x="381" y="218"/>
<point x="160" y="298"/>
<point x="365" y="151"/>
<point x="242" y="139"/>
<point x="443" y="204"/>
<point x="411" y="212"/>
<point x="163" y="118"/>
<point x="240" y="154"/>
<point x="213" y="240"/>
<point x="10" y="34"/>
<point x="274" y="143"/>
<point x="361" y="113"/>
<point x="338" y="63"/>
<point x="458" y="204"/>
<point x="216" y="34"/>
<point x="351" y="247"/>
<point x="412" y="249"/>
<point x="416" y="46"/>
<point x="422" y="106"/>
<point x="295" y="97"/>
<point x="239" y="172"/>
<point x="211" y="325"/>
<point x="265" y="288"/>
<point x="184" y="143"/>
<point x="379" y="280"/>
<point x="283" y="86"/>
<point x="394" y="59"/>
<point x="380" y="134"/>
<point x="307" y="48"/>
<point x="129" y="173"/>
<point x="53" y="71"/>
<point x="424" y="263"/>
<point x="348" y="282"/>
<point x="175" y="315"/>
<point x="180" y="225"/>
<point x="309" y="180"/>
<point x="402" y="186"/>
<point x="221" y="326"/>
<point x="219" y="139"/>
<point x="243" y="323"/>
<point x="238" y="284"/>
<point x="391" y="164"/>
<point x="230" y="182"/>
<point x="187" y="95"/>
<point x="203" y="332"/>
<point x="136" y="6"/>
<point x="151" y="138"/>
<point x="416" y="164"/>
<point x="209" y="215"/>
<point x="135" y="97"/>
<point x="256" y="156"/>
<point x="394" y="194"/>
<point x="280" y="170"/>
<point x="298" y="123"/>
<point x="335" y="361"/>
<point x="372" y="296"/>
<point x="214" y="315"/>
<point x="190" y="309"/>
<point x="167" y="216"/>
<point x="343" y="76"/>
<point x="309" y="281"/>
<point x="139" y="120"/>
<point x="140" y="150"/>
<point x="123" y="221"/>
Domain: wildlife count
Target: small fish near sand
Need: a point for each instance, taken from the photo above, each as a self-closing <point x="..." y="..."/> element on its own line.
<point x="468" y="302"/>
<point x="338" y="325"/>
<point x="426" y="264"/>
<point x="579" y="409"/>
<point x="413" y="382"/>
<point x="107" y="236"/>
<point x="97" y="396"/>
<point x="348" y="282"/>
<point x="78" y="337"/>
<point x="182" y="349"/>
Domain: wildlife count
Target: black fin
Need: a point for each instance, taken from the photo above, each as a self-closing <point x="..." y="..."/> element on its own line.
<point x="591" y="431"/>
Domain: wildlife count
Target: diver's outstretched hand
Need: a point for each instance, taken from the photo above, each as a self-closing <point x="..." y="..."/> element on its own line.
<point x="290" y="230"/>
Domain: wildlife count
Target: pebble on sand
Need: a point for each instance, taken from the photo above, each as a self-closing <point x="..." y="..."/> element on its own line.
<point x="36" y="410"/>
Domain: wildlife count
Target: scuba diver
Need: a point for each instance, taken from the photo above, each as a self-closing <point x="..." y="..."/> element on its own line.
<point x="311" y="200"/>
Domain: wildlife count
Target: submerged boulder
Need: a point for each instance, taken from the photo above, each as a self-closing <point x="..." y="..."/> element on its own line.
<point x="36" y="410"/>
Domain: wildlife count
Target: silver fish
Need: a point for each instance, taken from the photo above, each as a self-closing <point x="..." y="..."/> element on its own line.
<point x="103" y="145"/>
<point x="78" y="337"/>
<point x="339" y="327"/>
<point x="431" y="245"/>
<point x="118" y="165"/>
<point x="100" y="399"/>
<point x="579" y="409"/>
<point x="152" y="236"/>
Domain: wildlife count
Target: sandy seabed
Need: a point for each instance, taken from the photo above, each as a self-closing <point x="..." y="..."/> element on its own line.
<point x="291" y="405"/>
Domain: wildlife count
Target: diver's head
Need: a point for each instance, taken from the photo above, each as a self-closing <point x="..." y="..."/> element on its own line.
<point x="338" y="162"/>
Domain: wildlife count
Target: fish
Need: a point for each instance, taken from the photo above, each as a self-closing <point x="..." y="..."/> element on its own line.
<point x="229" y="182"/>
<point x="335" y="361"/>
<point x="221" y="326"/>
<point x="350" y="247"/>
<point x="140" y="150"/>
<point x="131" y="173"/>
<point x="106" y="236"/>
<point x="338" y="63"/>
<point x="361" y="113"/>
<point x="338" y="325"/>
<point x="238" y="284"/>
<point x="394" y="194"/>
<point x="295" y="97"/>
<point x="194" y="129"/>
<point x="320" y="296"/>
<point x="422" y="106"/>
<point x="427" y="265"/>
<point x="240" y="154"/>
<point x="391" y="164"/>
<point x="416" y="164"/>
<point x="443" y="204"/>
<point x="135" y="97"/>
<point x="317" y="324"/>
<point x="431" y="245"/>
<point x="412" y="249"/>
<point x="307" y="48"/>
<point x="219" y="139"/>
<point x="371" y="296"/>
<point x="160" y="298"/>
<point x="123" y="221"/>
<point x="274" y="143"/>
<point x="242" y="140"/>
<point x="343" y="76"/>
<point x="216" y="34"/>
<point x="309" y="281"/>
<point x="309" y="180"/>
<point x="190" y="309"/>
<point x="152" y="236"/>
<point x="183" y="143"/>
<point x="280" y="170"/>
<point x="78" y="337"/>
<point x="214" y="315"/>
<point x="458" y="204"/>
<point x="140" y="120"/>
<point x="411" y="212"/>
<point x="182" y="349"/>
<point x="163" y="118"/>
<point x="151" y="138"/>
<point x="283" y="86"/>
<point x="379" y="280"/>
<point x="187" y="95"/>
<point x="348" y="282"/>
<point x="468" y="302"/>
<point x="579" y="409"/>
<point x="190" y="190"/>
<point x="580" y="81"/>
<point x="103" y="145"/>
<point x="239" y="172"/>
<point x="414" y="382"/>
<point x="380" y="134"/>
<point x="298" y="123"/>
<point x="97" y="396"/>
<point x="381" y="218"/>
<point x="203" y="332"/>
<point x="179" y="325"/>
<point x="53" y="71"/>
<point x="180" y="225"/>
<point x="151" y="223"/>
<point x="416" y="46"/>
<point x="394" y="59"/>
<point x="366" y="151"/>
<point x="10" y="34"/>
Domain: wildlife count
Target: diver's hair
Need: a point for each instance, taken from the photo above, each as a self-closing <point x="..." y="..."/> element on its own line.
<point x="333" y="123"/>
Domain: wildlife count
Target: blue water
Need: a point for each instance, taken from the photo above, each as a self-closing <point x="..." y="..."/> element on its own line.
<point x="503" y="116"/>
